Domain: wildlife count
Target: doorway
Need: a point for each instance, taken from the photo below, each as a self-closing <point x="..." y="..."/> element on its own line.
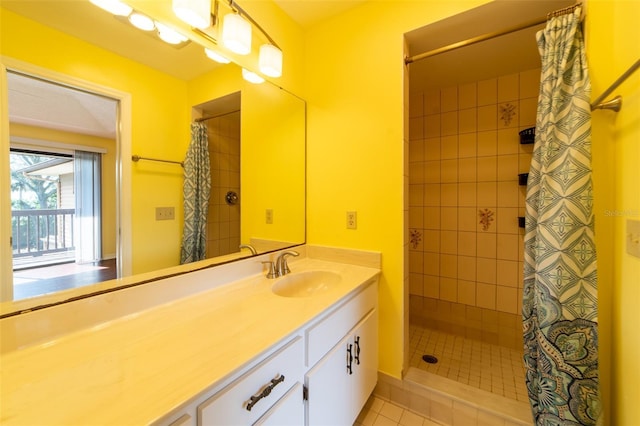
<point x="64" y="204"/>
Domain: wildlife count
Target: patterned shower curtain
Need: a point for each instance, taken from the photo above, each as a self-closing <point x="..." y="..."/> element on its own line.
<point x="560" y="284"/>
<point x="196" y="190"/>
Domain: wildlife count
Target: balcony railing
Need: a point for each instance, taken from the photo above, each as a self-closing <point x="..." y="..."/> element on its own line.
<point x="39" y="232"/>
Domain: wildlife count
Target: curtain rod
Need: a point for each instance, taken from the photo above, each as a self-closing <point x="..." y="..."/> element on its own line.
<point x="616" y="103"/>
<point x="487" y="36"/>
<point x="198" y="120"/>
<point x="137" y="158"/>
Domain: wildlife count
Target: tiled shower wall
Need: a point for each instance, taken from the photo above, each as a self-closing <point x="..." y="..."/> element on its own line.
<point x="466" y="249"/>
<point x="223" y="222"/>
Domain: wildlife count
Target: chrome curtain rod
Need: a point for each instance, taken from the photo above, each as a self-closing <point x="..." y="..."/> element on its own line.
<point x="487" y="36"/>
<point x="201" y="119"/>
<point x="137" y="158"/>
<point x="616" y="103"/>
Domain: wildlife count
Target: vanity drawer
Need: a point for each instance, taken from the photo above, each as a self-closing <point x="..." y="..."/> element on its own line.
<point x="229" y="406"/>
<point x="323" y="336"/>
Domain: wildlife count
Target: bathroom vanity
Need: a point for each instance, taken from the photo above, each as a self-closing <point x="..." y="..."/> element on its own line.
<point x="242" y="349"/>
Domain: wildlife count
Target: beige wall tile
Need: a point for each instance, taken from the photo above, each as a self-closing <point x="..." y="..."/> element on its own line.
<point x="449" y="147"/>
<point x="467" y="145"/>
<point x="449" y="98"/>
<point x="507" y="221"/>
<point x="487" y="169"/>
<point x="449" y="218"/>
<point x="486" y="295"/>
<point x="487" y="143"/>
<point x="416" y="128"/>
<point x="466" y="194"/>
<point x="508" y="87"/>
<point x="432" y="102"/>
<point x="467" y="170"/>
<point x="467" y="268"/>
<point x="508" y="115"/>
<point x="486" y="270"/>
<point x="487" y="245"/>
<point x="506" y="299"/>
<point x="449" y="194"/>
<point x="448" y="266"/>
<point x="416" y="217"/>
<point x="530" y="83"/>
<point x="449" y="123"/>
<point x="467" y="243"/>
<point x="487" y="118"/>
<point x="507" y="167"/>
<point x="416" y="195"/>
<point x="467" y="95"/>
<point x="432" y="149"/>
<point x="431" y="171"/>
<point x="467" y="219"/>
<point x="488" y="92"/>
<point x="449" y="289"/>
<point x="508" y="141"/>
<point x="528" y="110"/>
<point x="507" y="273"/>
<point x="416" y="172"/>
<point x="483" y="225"/>
<point x="416" y="150"/>
<point x="431" y="286"/>
<point x="467" y="120"/>
<point x="416" y="284"/>
<point x="431" y="241"/>
<point x="432" y="217"/>
<point x="432" y="126"/>
<point x="508" y="194"/>
<point x="432" y="264"/>
<point x="487" y="195"/>
<point x="507" y="246"/>
<point x="467" y="293"/>
<point x="449" y="171"/>
<point x="431" y="194"/>
<point x="416" y="102"/>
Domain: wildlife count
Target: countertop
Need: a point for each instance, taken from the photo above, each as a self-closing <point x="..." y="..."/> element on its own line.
<point x="137" y="368"/>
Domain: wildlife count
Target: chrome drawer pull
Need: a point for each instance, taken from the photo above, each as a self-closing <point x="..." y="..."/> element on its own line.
<point x="265" y="392"/>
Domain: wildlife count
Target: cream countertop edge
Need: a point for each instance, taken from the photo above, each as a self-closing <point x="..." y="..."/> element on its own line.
<point x="111" y="373"/>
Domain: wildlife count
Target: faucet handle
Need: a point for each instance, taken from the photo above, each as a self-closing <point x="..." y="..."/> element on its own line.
<point x="272" y="273"/>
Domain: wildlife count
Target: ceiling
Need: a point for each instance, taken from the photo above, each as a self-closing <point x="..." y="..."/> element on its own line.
<point x="85" y="113"/>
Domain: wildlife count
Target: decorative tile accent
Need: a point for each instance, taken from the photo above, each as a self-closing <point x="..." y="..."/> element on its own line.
<point x="486" y="217"/>
<point x="416" y="237"/>
<point x="507" y="113"/>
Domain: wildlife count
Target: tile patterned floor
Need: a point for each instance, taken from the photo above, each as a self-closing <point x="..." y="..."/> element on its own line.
<point x="489" y="367"/>
<point x="378" y="412"/>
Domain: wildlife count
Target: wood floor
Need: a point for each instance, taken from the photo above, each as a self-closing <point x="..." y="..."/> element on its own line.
<point x="49" y="279"/>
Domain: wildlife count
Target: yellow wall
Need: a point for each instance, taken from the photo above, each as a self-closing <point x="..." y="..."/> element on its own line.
<point x="160" y="126"/>
<point x="613" y="46"/>
<point x="355" y="157"/>
<point x="108" y="195"/>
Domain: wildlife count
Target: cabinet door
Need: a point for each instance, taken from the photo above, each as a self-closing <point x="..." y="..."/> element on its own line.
<point x="288" y="411"/>
<point x="329" y="388"/>
<point x="365" y="363"/>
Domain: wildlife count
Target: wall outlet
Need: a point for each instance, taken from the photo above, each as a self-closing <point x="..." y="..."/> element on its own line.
<point x="268" y="216"/>
<point x="352" y="220"/>
<point x="165" y="213"/>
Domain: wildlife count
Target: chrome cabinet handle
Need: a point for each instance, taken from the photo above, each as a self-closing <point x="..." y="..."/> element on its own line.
<point x="265" y="392"/>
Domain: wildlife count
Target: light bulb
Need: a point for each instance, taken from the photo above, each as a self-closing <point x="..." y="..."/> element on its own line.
<point x="216" y="56"/>
<point x="169" y="35"/>
<point x="236" y="34"/>
<point x="196" y="13"/>
<point x="114" y="7"/>
<point x="141" y="21"/>
<point x="251" y="77"/>
<point x="270" y="60"/>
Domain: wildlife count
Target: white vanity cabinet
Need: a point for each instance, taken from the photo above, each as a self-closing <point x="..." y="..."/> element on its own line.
<point x="330" y="368"/>
<point x="340" y="383"/>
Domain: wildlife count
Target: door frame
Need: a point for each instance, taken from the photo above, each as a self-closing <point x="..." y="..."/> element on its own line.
<point x="123" y="167"/>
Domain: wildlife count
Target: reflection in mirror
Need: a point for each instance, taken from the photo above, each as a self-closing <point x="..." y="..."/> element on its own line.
<point x="156" y="79"/>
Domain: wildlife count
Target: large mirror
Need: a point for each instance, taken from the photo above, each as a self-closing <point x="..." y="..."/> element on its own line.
<point x="256" y="131"/>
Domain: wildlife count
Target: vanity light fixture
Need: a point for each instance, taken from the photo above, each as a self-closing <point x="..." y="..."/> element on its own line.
<point x="216" y="56"/>
<point x="115" y="7"/>
<point x="196" y="13"/>
<point x="251" y="77"/>
<point x="270" y="60"/>
<point x="169" y="35"/>
<point x="236" y="34"/>
<point x="141" y="21"/>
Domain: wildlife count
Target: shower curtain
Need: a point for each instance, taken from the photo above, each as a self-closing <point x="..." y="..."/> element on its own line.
<point x="196" y="190"/>
<point x="560" y="285"/>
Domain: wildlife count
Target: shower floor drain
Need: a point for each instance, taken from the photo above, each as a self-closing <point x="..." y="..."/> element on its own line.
<point x="429" y="359"/>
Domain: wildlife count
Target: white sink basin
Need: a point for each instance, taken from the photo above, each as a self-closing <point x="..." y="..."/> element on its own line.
<point x="305" y="284"/>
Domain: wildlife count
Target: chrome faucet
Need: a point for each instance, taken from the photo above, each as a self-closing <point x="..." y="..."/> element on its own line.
<point x="281" y="262"/>
<point x="250" y="247"/>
